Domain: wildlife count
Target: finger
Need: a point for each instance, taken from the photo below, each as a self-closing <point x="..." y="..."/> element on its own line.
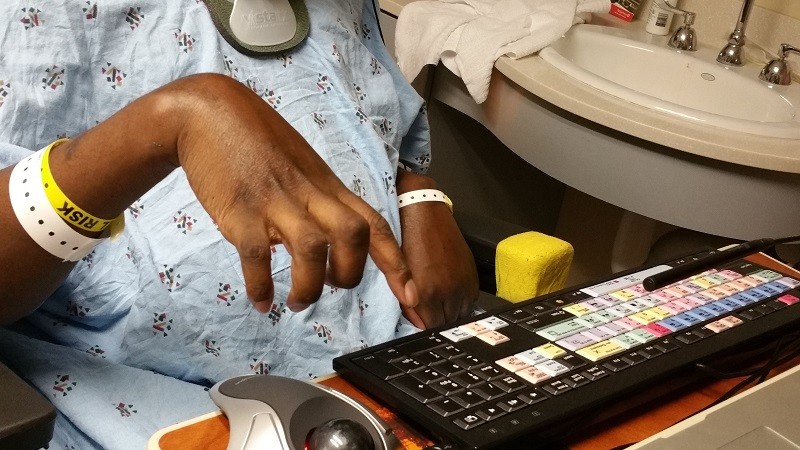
<point x="413" y="317"/>
<point x="252" y="241"/>
<point x="348" y="235"/>
<point x="466" y="308"/>
<point x="385" y="251"/>
<point x="431" y="312"/>
<point x="307" y="244"/>
<point x="453" y="307"/>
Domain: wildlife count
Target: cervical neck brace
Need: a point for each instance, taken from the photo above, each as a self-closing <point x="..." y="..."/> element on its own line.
<point x="260" y="28"/>
<point x="263" y="22"/>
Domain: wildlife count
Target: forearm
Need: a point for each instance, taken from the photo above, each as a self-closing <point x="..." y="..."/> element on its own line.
<point x="103" y="171"/>
<point x="439" y="258"/>
<point x="254" y="174"/>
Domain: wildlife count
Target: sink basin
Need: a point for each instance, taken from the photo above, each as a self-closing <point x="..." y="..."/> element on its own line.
<point x="640" y="68"/>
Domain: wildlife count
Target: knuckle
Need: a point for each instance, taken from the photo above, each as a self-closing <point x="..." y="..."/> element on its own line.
<point x="380" y="225"/>
<point x="353" y="231"/>
<point x="254" y="251"/>
<point x="311" y="245"/>
<point x="398" y="265"/>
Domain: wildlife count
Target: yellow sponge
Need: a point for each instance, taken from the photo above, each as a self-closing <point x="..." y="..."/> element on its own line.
<point x="530" y="264"/>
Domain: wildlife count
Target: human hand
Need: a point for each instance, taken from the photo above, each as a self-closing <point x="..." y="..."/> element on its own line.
<point x="440" y="261"/>
<point x="263" y="184"/>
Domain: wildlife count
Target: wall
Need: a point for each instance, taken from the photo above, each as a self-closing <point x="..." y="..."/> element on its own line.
<point x="789" y="8"/>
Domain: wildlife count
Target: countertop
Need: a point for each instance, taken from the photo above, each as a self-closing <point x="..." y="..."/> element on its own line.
<point x="550" y="84"/>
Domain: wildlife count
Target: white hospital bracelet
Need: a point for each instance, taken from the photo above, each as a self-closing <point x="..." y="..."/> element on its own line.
<point x="37" y="216"/>
<point x="423" y="195"/>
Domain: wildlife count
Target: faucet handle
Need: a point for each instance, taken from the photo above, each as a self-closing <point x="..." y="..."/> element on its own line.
<point x="684" y="37"/>
<point x="778" y="71"/>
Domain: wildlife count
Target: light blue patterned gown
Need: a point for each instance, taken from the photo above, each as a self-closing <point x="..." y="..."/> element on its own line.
<point x="144" y="324"/>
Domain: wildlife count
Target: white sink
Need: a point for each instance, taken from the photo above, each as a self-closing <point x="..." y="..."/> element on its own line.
<point x="641" y="69"/>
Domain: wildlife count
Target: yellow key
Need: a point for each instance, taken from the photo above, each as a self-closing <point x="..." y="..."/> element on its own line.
<point x="577" y="309"/>
<point x="659" y="312"/>
<point x="600" y="350"/>
<point x="644" y="317"/>
<point x="624" y="295"/>
<point x="551" y="351"/>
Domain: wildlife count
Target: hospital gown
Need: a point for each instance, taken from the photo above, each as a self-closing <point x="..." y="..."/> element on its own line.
<point x="144" y="324"/>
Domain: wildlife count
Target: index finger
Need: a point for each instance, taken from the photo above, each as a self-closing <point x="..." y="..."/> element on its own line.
<point x="252" y="242"/>
<point x="385" y="251"/>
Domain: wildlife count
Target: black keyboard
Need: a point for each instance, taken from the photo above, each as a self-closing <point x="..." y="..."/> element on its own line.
<point x="542" y="367"/>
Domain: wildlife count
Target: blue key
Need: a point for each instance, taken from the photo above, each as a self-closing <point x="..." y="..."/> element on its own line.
<point x="717" y="307"/>
<point x="714" y="312"/>
<point x="744" y="300"/>
<point x="775" y="287"/>
<point x="728" y="303"/>
<point x="691" y="320"/>
<point x="755" y="293"/>
<point x="673" y="324"/>
<point x="700" y="313"/>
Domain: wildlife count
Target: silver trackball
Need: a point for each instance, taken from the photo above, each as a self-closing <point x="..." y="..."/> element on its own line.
<point x="276" y="413"/>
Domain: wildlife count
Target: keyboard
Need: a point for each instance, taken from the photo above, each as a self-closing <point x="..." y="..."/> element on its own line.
<point x="529" y="373"/>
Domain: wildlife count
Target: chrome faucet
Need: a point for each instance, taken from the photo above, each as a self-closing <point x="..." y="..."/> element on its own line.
<point x="778" y="71"/>
<point x="684" y="38"/>
<point x="731" y="54"/>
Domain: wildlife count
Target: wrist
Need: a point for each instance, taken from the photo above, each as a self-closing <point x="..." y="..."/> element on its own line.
<point x="410" y="181"/>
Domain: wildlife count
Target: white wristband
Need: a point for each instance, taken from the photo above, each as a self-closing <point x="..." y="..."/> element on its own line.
<point x="37" y="216"/>
<point x="423" y="195"/>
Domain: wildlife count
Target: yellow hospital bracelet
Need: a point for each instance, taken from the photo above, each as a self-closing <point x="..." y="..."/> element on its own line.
<point x="66" y="208"/>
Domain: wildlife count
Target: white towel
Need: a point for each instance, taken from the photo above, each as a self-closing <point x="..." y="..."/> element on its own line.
<point x="468" y="36"/>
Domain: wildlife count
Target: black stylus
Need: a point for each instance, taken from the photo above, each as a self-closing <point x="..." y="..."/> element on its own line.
<point x="688" y="269"/>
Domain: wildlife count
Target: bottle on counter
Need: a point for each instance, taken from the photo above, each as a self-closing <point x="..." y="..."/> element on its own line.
<point x="659" y="21"/>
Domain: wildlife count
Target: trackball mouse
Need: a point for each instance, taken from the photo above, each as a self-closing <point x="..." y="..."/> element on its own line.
<point x="277" y="413"/>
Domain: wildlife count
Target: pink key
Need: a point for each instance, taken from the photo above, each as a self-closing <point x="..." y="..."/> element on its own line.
<point x="729" y="274"/>
<point x="717" y="327"/>
<point x="512" y="363"/>
<point x="657" y="330"/>
<point x="752" y="282"/>
<point x="688" y="288"/>
<point x="727" y="289"/>
<point x="674" y="307"/>
<point x="639" y="289"/>
<point x="473" y="328"/>
<point x="699" y="299"/>
<point x="493" y="337"/>
<point x="663" y="295"/>
<point x="688" y="303"/>
<point x="731" y="321"/>
<point x="628" y="323"/>
<point x="789" y="299"/>
<point x="675" y="290"/>
<point x="716" y="292"/>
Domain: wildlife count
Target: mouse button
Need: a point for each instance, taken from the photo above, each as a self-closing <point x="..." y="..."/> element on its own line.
<point x="265" y="433"/>
<point x="235" y="387"/>
<point x="283" y="394"/>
